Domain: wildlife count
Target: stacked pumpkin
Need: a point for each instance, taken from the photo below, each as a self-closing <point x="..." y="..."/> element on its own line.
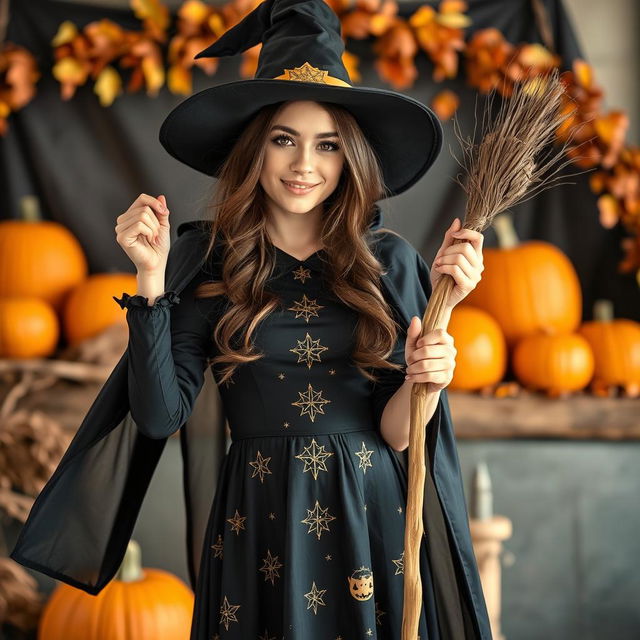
<point x="140" y="602"/>
<point x="45" y="290"/>
<point x="528" y="308"/>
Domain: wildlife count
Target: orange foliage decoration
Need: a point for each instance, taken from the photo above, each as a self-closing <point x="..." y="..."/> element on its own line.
<point x="18" y="76"/>
<point x="494" y="63"/>
<point x="94" y="50"/>
<point x="489" y="62"/>
<point x="198" y="25"/>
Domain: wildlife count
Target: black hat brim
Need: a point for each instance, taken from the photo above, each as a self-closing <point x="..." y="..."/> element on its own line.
<point x="405" y="134"/>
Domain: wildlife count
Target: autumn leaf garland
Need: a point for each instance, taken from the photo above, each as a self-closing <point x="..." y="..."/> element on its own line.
<point x="101" y="49"/>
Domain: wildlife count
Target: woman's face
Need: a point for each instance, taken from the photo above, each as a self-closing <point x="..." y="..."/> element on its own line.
<point x="302" y="146"/>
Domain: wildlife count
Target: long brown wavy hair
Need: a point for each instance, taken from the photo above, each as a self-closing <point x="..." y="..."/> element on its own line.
<point x="352" y="271"/>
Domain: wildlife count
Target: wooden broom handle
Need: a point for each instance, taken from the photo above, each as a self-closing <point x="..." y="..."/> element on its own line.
<point x="423" y="402"/>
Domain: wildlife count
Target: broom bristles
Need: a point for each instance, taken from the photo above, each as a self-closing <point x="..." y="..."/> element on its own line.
<point x="515" y="157"/>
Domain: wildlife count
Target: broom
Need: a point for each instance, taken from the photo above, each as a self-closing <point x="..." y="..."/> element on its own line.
<point x="506" y="165"/>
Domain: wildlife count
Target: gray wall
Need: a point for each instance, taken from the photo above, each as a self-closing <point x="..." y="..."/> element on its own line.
<point x="575" y="546"/>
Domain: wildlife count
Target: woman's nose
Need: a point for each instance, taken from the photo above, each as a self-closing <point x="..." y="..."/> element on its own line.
<point x="303" y="160"/>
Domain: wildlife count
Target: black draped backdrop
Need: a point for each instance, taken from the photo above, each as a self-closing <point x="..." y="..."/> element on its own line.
<point x="87" y="163"/>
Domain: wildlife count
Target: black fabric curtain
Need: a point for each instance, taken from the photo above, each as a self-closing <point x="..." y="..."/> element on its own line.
<point x="87" y="163"/>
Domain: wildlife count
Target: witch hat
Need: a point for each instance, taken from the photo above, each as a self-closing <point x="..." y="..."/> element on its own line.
<point x="300" y="59"/>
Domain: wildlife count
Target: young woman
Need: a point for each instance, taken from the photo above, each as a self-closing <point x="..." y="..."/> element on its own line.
<point x="306" y="533"/>
<point x="309" y="314"/>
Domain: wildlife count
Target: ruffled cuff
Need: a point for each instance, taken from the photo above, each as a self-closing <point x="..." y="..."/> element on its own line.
<point x="167" y="299"/>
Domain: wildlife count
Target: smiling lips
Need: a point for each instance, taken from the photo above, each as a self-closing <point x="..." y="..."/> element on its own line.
<point x="297" y="188"/>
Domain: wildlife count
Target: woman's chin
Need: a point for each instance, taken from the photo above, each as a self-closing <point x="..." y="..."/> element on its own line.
<point x="298" y="205"/>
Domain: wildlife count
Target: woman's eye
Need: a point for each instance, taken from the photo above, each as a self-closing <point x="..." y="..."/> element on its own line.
<point x="332" y="145"/>
<point x="280" y="137"/>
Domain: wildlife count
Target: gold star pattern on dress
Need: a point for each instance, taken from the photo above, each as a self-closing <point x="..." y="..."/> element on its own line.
<point x="218" y="547"/>
<point x="272" y="516"/>
<point x="301" y="274"/>
<point x="364" y="454"/>
<point x="314" y="457"/>
<point x="317" y="519"/>
<point x="270" y="567"/>
<point x="332" y="372"/>
<point x="311" y="402"/>
<point x="399" y="564"/>
<point x="399" y="509"/>
<point x="365" y="507"/>
<point x="260" y="466"/>
<point x="328" y="556"/>
<point x="379" y="613"/>
<point x="315" y="597"/>
<point x="266" y="636"/>
<point x="309" y="350"/>
<point x="369" y="632"/>
<point x="237" y="522"/>
<point x="306" y="308"/>
<point x="285" y="425"/>
<point x="228" y="613"/>
<point x="281" y="375"/>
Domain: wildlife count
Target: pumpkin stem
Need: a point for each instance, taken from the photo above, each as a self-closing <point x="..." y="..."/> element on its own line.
<point x="603" y="310"/>
<point x="131" y="568"/>
<point x="506" y="232"/>
<point x="30" y="209"/>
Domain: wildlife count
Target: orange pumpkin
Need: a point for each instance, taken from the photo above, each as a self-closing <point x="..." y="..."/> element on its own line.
<point x="555" y="363"/>
<point x="481" y="358"/>
<point x="527" y="287"/>
<point x="39" y="258"/>
<point x="29" y="328"/>
<point x="616" y="348"/>
<point x="90" y="307"/>
<point x="138" y="603"/>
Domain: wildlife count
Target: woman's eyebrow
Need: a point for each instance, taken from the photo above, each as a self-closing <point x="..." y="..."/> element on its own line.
<point x="328" y="134"/>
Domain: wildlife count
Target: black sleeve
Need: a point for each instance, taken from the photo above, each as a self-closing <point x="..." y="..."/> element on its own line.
<point x="169" y="343"/>
<point x="389" y="381"/>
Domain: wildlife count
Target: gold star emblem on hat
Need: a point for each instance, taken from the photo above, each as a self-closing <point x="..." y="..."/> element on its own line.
<point x="306" y="73"/>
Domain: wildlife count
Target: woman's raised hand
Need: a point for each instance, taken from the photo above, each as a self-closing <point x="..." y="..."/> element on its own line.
<point x="143" y="232"/>
<point x="463" y="261"/>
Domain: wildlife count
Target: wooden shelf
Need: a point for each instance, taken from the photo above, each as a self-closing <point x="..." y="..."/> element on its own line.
<point x="530" y="415"/>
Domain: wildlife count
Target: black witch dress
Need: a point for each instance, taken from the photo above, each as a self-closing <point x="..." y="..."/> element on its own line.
<point x="305" y="539"/>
